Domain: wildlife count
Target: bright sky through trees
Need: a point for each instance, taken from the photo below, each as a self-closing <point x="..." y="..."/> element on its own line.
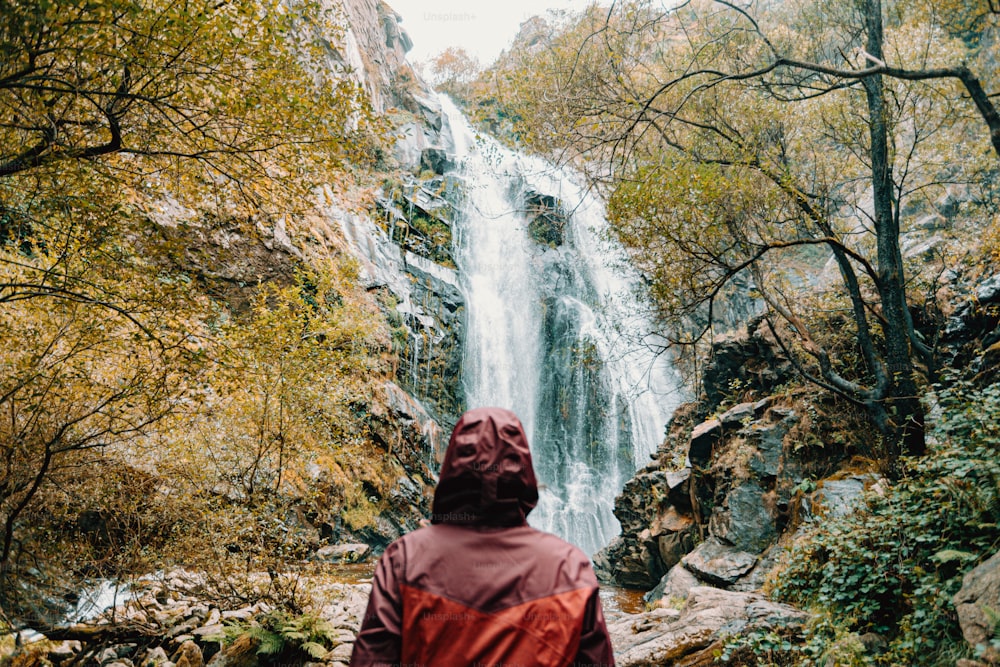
<point x="482" y="27"/>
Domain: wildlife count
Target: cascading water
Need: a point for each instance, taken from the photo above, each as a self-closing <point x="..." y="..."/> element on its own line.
<point x="540" y="340"/>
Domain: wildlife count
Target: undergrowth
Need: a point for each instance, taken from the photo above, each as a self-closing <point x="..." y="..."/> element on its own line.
<point x="283" y="638"/>
<point x="889" y="570"/>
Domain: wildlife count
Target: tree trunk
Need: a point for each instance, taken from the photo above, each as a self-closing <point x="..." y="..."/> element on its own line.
<point x="904" y="431"/>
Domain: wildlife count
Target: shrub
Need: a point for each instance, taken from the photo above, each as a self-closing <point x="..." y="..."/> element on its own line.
<point x="893" y="567"/>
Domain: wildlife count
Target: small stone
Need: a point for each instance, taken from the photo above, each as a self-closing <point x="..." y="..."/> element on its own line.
<point x="189" y="655"/>
<point x="106" y="655"/>
<point x="182" y="629"/>
<point x="209" y="630"/>
<point x="238" y="614"/>
<point x="64" y="650"/>
<point x="155" y="657"/>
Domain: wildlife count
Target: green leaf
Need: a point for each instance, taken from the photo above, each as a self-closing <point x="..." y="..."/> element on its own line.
<point x="315" y="650"/>
<point x="951" y="555"/>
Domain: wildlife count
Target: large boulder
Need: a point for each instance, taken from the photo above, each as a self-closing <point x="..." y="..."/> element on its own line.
<point x="630" y="561"/>
<point x="710" y="614"/>
<point x="546" y="218"/>
<point x="746" y="520"/>
<point x="751" y="360"/>
<point x="719" y="563"/>
<point x="674" y="588"/>
<point x="977" y="604"/>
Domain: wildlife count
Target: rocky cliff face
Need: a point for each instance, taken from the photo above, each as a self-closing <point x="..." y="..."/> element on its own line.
<point x="732" y="483"/>
<point x="405" y="242"/>
<point x="728" y="482"/>
<point x="375" y="47"/>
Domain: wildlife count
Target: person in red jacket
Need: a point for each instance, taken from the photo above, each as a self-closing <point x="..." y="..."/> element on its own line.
<point x="479" y="587"/>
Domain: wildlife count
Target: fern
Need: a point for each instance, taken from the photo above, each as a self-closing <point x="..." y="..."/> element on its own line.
<point x="268" y="642"/>
<point x="276" y="632"/>
<point x="315" y="650"/>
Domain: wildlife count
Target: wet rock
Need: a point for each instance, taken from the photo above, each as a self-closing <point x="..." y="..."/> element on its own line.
<point x="750" y="360"/>
<point x="547" y="218"/>
<point x="671" y="521"/>
<point x="745" y="520"/>
<point x="977" y="317"/>
<point x="719" y="563"/>
<point x="641" y="501"/>
<point x="679" y="489"/>
<point x="342" y="553"/>
<point x="977" y="603"/>
<point x="436" y="160"/>
<point x="673" y="547"/>
<point x="628" y="562"/>
<point x="738" y="415"/>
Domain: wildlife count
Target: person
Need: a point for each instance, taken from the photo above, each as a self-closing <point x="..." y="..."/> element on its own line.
<point x="478" y="587"/>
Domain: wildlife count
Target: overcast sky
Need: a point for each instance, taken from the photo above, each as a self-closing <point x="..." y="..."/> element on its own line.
<point x="482" y="27"/>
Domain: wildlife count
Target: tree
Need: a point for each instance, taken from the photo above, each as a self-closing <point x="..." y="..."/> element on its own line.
<point x="453" y="72"/>
<point x="731" y="142"/>
<point x="233" y="87"/>
<point x="118" y="118"/>
<point x="95" y="355"/>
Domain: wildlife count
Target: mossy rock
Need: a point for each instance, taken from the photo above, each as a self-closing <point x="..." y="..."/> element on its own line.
<point x="548" y="219"/>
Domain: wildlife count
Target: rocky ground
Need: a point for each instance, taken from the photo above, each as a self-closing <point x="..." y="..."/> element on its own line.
<point x="168" y="624"/>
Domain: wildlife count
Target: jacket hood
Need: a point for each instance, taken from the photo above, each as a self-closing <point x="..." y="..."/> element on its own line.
<point x="487" y="477"/>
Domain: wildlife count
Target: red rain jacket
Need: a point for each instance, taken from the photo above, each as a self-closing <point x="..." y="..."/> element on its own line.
<point x="479" y="587"/>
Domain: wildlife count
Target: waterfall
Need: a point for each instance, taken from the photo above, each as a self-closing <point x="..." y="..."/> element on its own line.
<point x="550" y="332"/>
